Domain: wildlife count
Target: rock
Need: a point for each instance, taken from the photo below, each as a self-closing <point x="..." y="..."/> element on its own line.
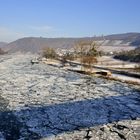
<point x="34" y="61"/>
<point x="104" y="73"/>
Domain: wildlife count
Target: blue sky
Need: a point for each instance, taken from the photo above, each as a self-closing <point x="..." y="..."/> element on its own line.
<point x="67" y="18"/>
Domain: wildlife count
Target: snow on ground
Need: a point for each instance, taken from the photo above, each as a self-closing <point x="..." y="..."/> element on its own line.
<point x="45" y="102"/>
<point x="108" y="61"/>
<point x="117" y="48"/>
<point x="125" y="78"/>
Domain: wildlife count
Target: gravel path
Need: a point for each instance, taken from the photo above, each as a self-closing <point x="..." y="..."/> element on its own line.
<point x="43" y="102"/>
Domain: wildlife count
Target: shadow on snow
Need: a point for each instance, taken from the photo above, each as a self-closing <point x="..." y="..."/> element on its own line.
<point x="43" y="121"/>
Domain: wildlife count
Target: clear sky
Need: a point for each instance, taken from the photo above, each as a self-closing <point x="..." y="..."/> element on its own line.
<point x="67" y="18"/>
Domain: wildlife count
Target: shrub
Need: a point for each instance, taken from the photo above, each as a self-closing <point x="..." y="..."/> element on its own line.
<point x="87" y="61"/>
<point x="1" y="51"/>
<point x="49" y="53"/>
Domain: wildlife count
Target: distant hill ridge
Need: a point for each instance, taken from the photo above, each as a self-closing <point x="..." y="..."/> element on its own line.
<point x="35" y="44"/>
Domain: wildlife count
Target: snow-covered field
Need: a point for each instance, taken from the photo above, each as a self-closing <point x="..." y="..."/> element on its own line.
<point x="108" y="61"/>
<point x="45" y="102"/>
<point x="126" y="78"/>
<point x="117" y="48"/>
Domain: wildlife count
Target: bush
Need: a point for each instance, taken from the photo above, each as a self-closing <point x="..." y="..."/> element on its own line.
<point x="87" y="61"/>
<point x="1" y="51"/>
<point x="49" y="53"/>
<point x="87" y="52"/>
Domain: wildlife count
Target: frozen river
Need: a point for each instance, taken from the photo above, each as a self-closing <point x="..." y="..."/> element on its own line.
<point x="44" y="102"/>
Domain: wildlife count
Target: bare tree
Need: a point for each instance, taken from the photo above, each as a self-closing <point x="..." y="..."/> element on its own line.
<point x="88" y="52"/>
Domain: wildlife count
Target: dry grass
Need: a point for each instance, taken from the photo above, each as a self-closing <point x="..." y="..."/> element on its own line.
<point x="87" y="61"/>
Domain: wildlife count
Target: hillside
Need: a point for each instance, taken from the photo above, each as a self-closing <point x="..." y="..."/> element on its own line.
<point x="2" y="44"/>
<point x="35" y="44"/>
<point x="130" y="38"/>
<point x="132" y="56"/>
